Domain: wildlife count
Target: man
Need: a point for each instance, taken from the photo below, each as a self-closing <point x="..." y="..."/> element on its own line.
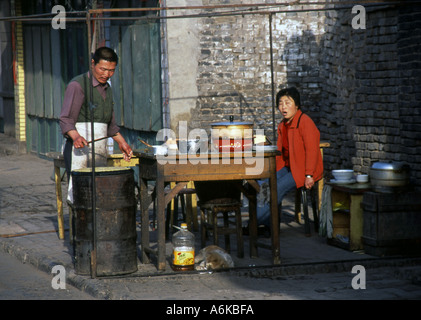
<point x="75" y="117"/>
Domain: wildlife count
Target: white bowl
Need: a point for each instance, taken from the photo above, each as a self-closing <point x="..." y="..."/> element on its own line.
<point x="343" y="174"/>
<point x="362" y="178"/>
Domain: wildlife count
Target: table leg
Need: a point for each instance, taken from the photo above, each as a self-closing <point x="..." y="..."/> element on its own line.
<point x="160" y="218"/>
<point x="144" y="205"/>
<point x="252" y="198"/>
<point x="274" y="213"/>
<point x="193" y="205"/>
<point x="355" y="222"/>
<point x="59" y="195"/>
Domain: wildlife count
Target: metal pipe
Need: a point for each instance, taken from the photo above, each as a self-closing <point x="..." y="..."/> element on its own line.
<point x="272" y="80"/>
<point x="257" y="5"/>
<point x="344" y="5"/>
<point x="166" y="121"/>
<point x="91" y="106"/>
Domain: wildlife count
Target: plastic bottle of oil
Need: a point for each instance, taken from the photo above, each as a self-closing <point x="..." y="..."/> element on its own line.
<point x="183" y="249"/>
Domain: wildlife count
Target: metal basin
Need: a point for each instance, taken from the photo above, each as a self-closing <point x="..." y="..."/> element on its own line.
<point x="389" y="176"/>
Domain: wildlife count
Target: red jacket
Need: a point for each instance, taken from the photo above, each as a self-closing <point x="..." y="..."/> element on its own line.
<point x="304" y="149"/>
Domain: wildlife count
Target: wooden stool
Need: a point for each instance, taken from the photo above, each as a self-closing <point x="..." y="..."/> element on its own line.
<point x="209" y="221"/>
<point x="302" y="199"/>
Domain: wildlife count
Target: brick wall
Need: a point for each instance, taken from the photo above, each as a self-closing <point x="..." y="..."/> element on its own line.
<point x="409" y="95"/>
<point x="361" y="87"/>
<point x="372" y="91"/>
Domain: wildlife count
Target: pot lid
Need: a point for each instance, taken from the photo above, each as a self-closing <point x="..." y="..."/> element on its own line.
<point x="233" y="123"/>
<point x="389" y="166"/>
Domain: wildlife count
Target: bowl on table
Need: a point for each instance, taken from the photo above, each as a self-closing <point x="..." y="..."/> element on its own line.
<point x="362" y="178"/>
<point x="343" y="174"/>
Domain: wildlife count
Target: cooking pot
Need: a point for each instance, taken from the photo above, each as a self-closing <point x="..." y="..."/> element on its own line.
<point x="389" y="176"/>
<point x="232" y="136"/>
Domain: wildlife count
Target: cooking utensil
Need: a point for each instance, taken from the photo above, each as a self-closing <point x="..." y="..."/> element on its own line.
<point x="145" y="143"/>
<point x="389" y="176"/>
<point x="99" y="139"/>
<point x="232" y="136"/>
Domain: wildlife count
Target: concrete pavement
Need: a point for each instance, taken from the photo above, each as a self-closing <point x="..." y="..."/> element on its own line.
<point x="310" y="269"/>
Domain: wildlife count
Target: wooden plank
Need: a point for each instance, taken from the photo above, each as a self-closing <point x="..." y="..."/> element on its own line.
<point x="155" y="77"/>
<point x="56" y="72"/>
<point x="116" y="79"/>
<point x="221" y="171"/>
<point x="43" y="137"/>
<point x="174" y="191"/>
<point x="29" y="71"/>
<point x="59" y="197"/>
<point x="38" y="77"/>
<point x="356" y="222"/>
<point x="127" y="83"/>
<point x="72" y="59"/>
<point x="141" y="77"/>
<point x="33" y="129"/>
<point x="46" y="72"/>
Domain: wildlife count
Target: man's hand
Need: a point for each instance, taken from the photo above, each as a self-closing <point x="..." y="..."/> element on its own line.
<point x="124" y="147"/>
<point x="126" y="150"/>
<point x="78" y="140"/>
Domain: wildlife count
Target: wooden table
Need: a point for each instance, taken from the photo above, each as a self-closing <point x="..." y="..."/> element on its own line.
<point x="348" y="219"/>
<point x="113" y="160"/>
<point x="181" y="169"/>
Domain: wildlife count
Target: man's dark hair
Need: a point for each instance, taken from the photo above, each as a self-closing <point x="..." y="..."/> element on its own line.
<point x="105" y="53"/>
<point x="290" y="92"/>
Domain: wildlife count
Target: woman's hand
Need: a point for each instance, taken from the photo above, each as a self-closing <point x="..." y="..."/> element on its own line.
<point x="124" y="147"/>
<point x="309" y="182"/>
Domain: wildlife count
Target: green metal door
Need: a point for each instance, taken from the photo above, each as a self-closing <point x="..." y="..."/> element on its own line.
<point x="137" y="83"/>
<point x="54" y="57"/>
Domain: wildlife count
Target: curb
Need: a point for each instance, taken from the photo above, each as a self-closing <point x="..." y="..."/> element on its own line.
<point x="98" y="290"/>
<point x="46" y="264"/>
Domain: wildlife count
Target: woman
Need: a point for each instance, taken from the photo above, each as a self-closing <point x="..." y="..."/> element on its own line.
<point x="301" y="161"/>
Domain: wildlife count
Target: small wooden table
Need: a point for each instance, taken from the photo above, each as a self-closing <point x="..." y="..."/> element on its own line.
<point x="348" y="218"/>
<point x="113" y="160"/>
<point x="182" y="168"/>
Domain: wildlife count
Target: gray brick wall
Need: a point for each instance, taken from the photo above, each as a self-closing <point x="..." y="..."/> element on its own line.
<point x="361" y="87"/>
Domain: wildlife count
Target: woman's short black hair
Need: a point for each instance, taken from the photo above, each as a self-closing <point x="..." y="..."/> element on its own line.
<point x="105" y="53"/>
<point x="290" y="92"/>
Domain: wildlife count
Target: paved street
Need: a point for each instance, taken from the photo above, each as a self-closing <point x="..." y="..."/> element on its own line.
<point x="19" y="281"/>
<point x="310" y="269"/>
